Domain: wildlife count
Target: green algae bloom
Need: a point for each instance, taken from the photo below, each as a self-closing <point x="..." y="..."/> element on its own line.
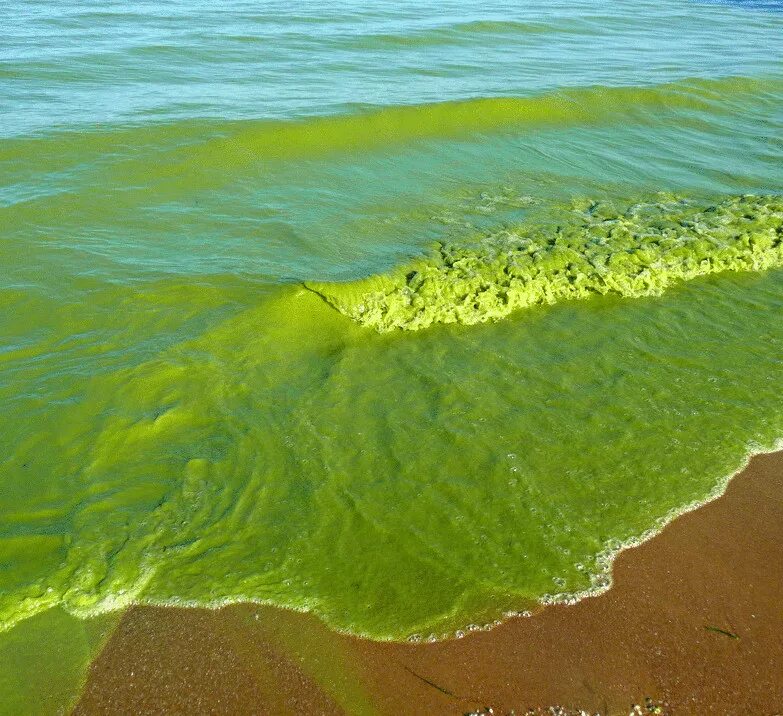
<point x="408" y="482"/>
<point x="204" y="398"/>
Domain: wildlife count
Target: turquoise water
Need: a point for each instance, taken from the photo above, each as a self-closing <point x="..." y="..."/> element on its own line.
<point x="286" y="310"/>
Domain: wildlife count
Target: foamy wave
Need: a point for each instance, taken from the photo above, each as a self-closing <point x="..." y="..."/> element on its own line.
<point x="638" y="251"/>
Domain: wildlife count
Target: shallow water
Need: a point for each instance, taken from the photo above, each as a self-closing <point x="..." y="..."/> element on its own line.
<point x="185" y="422"/>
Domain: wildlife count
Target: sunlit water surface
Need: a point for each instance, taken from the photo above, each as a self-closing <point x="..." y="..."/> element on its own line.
<point x="185" y="422"/>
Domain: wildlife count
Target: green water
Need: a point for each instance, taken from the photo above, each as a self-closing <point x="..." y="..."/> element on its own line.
<point x="217" y="225"/>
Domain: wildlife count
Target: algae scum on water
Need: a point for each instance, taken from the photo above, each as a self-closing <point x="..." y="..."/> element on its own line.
<point x="598" y="250"/>
<point x="403" y="483"/>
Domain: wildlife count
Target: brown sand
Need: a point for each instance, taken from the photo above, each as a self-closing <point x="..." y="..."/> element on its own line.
<point x="694" y="621"/>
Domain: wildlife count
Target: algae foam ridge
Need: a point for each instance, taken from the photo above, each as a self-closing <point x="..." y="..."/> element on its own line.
<point x="634" y="251"/>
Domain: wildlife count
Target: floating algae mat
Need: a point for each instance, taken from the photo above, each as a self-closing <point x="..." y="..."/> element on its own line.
<point x="287" y="305"/>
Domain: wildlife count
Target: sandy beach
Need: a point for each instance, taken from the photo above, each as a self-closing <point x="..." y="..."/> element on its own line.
<point x="692" y="625"/>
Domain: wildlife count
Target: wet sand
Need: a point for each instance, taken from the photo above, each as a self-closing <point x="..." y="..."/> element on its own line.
<point x="694" y="622"/>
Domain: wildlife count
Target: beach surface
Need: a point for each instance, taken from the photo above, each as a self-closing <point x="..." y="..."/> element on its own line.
<point x="691" y="625"/>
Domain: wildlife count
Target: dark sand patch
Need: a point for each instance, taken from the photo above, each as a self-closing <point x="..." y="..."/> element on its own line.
<point x="694" y="622"/>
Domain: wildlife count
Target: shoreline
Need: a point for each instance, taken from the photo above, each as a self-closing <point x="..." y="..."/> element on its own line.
<point x="689" y="622"/>
<point x="604" y="580"/>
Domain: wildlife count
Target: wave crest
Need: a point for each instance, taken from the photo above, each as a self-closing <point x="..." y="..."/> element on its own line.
<point x="638" y="251"/>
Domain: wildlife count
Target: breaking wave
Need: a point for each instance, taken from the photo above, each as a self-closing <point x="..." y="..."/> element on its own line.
<point x="636" y="251"/>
